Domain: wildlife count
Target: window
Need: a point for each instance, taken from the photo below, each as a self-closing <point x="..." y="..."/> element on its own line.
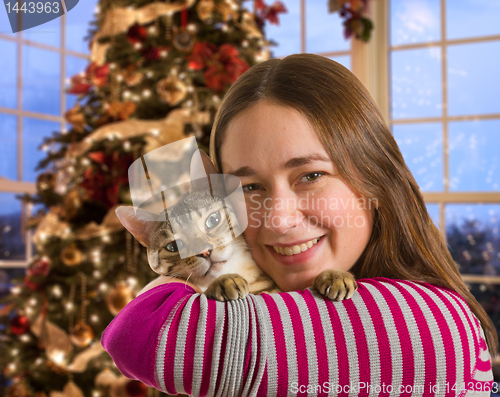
<point x="32" y="106"/>
<point x="445" y="116"/>
<point x="308" y="27"/>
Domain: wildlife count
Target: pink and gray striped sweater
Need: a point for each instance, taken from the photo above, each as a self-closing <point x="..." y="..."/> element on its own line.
<point x="392" y="338"/>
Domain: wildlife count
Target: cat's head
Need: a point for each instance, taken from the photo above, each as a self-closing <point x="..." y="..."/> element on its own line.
<point x="194" y="237"/>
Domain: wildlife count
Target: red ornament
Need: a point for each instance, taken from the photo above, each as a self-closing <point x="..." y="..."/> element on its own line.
<point x="151" y="53"/>
<point x="41" y="267"/>
<point x="19" y="325"/>
<point x="271" y="14"/>
<point x="102" y="182"/>
<point x="93" y="75"/>
<point x="222" y="66"/>
<point x="136" y="34"/>
<point x="31" y="284"/>
<point x="134" y="388"/>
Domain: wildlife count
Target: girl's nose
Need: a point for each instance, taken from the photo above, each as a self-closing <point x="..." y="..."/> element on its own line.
<point x="282" y="212"/>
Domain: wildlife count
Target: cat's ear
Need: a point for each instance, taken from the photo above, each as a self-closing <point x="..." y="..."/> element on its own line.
<point x="201" y="167"/>
<point x="136" y="224"/>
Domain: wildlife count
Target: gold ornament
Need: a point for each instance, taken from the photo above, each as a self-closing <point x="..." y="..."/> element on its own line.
<point x="205" y="9"/>
<point x="81" y="334"/>
<point x="71" y="256"/>
<point x="171" y="90"/>
<point x="118" y="298"/>
<point x="131" y="76"/>
<point x="183" y="39"/>
<point x="40" y="394"/>
<point x="72" y="204"/>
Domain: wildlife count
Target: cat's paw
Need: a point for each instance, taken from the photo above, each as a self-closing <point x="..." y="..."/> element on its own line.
<point x="335" y="284"/>
<point x="228" y="287"/>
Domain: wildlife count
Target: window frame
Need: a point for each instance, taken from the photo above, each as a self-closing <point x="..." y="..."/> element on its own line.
<point x="19" y="186"/>
<point x="371" y="64"/>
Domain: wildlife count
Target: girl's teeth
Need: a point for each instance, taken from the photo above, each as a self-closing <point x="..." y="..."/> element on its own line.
<point x="296" y="249"/>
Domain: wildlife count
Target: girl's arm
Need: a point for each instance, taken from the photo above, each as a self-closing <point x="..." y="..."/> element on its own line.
<point x="392" y="336"/>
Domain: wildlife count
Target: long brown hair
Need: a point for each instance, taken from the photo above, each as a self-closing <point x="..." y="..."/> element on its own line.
<point x="405" y="243"/>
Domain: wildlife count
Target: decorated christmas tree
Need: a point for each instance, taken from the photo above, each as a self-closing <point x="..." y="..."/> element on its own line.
<point x="157" y="74"/>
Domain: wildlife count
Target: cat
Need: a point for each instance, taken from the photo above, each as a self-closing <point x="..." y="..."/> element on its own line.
<point x="226" y="272"/>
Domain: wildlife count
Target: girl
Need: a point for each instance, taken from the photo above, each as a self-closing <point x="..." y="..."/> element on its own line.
<point x="316" y="161"/>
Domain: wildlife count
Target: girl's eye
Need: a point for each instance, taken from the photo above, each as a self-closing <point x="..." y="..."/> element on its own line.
<point x="250" y="188"/>
<point x="315" y="176"/>
<point x="174" y="246"/>
<point x="213" y="220"/>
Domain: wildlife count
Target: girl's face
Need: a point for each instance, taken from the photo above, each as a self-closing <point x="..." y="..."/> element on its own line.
<point x="294" y="195"/>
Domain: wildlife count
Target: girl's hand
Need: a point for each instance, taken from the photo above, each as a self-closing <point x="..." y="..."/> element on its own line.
<point x="165" y="280"/>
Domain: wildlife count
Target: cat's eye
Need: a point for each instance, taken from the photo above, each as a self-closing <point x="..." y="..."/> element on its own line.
<point x="174" y="246"/>
<point x="213" y="220"/>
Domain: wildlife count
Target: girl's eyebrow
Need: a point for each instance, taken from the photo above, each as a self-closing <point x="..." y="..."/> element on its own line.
<point x="292" y="163"/>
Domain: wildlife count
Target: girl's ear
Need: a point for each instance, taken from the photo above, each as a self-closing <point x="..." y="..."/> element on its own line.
<point x="136" y="224"/>
<point x="200" y="169"/>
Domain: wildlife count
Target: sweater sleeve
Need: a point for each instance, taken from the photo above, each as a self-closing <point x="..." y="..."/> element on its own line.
<point x="392" y="337"/>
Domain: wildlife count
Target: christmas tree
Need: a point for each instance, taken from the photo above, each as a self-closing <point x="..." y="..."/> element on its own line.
<point x="157" y="74"/>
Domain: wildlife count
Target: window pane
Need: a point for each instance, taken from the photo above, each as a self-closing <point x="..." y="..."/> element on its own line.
<point x="343" y="60"/>
<point x="77" y="24"/>
<point x="47" y="33"/>
<point x="12" y="246"/>
<point x="8" y="77"/>
<point x="34" y="130"/>
<point x="422" y="149"/>
<point x="8" y="148"/>
<point x="488" y="296"/>
<point x="416" y="83"/>
<point x="474" y="156"/>
<point x="472" y="88"/>
<point x="433" y="210"/>
<point x="287" y="34"/>
<point x="414" y="21"/>
<point x="324" y="31"/>
<point x="41" y="81"/>
<point x="74" y="66"/>
<point x="472" y="232"/>
<point x="470" y="18"/>
<point x="5" y="27"/>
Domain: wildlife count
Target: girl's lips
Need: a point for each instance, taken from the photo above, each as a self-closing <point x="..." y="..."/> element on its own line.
<point x="297" y="258"/>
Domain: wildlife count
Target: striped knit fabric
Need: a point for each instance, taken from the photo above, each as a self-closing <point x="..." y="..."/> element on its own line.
<point x="392" y="338"/>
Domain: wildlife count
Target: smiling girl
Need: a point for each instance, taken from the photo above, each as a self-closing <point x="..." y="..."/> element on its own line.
<point x="326" y="188"/>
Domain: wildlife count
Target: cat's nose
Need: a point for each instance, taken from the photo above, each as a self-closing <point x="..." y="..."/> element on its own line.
<point x="206" y="252"/>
